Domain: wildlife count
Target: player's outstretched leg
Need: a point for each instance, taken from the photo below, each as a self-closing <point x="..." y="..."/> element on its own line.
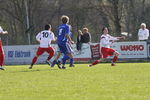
<point x="96" y="62"/>
<point x="1" y="60"/>
<point x="33" y="62"/>
<point x="116" y="54"/>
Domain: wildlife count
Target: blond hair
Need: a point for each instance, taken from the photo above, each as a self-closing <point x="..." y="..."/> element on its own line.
<point x="85" y="29"/>
<point x="64" y="19"/>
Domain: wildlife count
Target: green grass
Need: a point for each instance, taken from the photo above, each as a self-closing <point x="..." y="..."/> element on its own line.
<point x="126" y="81"/>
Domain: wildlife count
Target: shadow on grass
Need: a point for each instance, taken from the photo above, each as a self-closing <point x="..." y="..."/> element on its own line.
<point x="38" y="70"/>
<point x="34" y="70"/>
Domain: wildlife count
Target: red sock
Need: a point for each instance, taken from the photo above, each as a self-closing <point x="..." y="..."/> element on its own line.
<point x="50" y="56"/>
<point x="115" y="59"/>
<point x="34" y="60"/>
<point x="94" y="63"/>
<point x="1" y="59"/>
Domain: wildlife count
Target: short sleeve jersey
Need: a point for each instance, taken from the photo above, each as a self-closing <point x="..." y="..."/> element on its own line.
<point x="45" y="37"/>
<point x="63" y="30"/>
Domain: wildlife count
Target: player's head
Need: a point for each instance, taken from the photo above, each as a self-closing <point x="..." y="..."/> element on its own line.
<point x="65" y="19"/>
<point x="105" y="30"/>
<point x="85" y="30"/>
<point x="48" y="27"/>
<point x="143" y="26"/>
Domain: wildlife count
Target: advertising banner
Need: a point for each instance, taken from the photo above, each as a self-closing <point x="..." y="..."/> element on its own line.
<point x="24" y="54"/>
<point x="148" y="50"/>
<point x="95" y="51"/>
<point x="131" y="49"/>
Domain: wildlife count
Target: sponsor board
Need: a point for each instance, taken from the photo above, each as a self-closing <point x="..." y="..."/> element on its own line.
<point x="24" y="54"/>
<point x="148" y="50"/>
<point x="131" y="49"/>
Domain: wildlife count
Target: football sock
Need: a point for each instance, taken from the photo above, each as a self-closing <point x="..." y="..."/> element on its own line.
<point x="96" y="62"/>
<point x="71" y="61"/>
<point x="64" y="59"/>
<point x="50" y="56"/>
<point x="53" y="63"/>
<point x="115" y="59"/>
<point x="34" y="60"/>
<point x="1" y="59"/>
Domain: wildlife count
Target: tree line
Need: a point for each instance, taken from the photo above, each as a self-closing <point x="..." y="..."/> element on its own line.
<point x="23" y="19"/>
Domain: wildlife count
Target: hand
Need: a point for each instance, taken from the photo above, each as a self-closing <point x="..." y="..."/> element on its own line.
<point x="123" y="37"/>
<point x="80" y="32"/>
<point x="5" y="32"/>
<point x="72" y="42"/>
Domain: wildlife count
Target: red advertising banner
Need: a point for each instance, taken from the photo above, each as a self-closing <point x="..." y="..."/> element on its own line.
<point x="95" y="51"/>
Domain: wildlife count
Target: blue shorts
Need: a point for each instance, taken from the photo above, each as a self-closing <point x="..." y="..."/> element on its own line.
<point x="65" y="48"/>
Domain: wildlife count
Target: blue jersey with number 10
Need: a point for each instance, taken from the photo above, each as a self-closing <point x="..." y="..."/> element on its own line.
<point x="63" y="30"/>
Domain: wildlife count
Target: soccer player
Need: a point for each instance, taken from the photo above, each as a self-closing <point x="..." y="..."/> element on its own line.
<point x="56" y="61"/>
<point x="63" y="38"/>
<point x="1" y="50"/>
<point x="45" y="38"/>
<point x="105" y="42"/>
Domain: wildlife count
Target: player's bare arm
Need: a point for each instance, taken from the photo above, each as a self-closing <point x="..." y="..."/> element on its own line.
<point x="4" y="32"/>
<point x="54" y="40"/>
<point x="122" y="37"/>
<point x="69" y="38"/>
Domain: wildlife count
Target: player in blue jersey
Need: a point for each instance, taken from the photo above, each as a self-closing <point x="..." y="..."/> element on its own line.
<point x="64" y="40"/>
<point x="58" y="62"/>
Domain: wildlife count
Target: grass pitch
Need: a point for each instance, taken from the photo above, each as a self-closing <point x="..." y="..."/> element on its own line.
<point x="126" y="81"/>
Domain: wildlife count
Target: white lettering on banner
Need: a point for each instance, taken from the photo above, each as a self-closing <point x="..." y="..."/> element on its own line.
<point x="18" y="54"/>
<point x="132" y="47"/>
<point x="24" y="54"/>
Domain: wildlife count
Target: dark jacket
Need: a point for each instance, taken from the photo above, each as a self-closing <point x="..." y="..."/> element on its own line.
<point x="86" y="38"/>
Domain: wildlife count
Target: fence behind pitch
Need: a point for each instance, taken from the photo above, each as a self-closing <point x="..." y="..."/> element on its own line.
<point x="23" y="54"/>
